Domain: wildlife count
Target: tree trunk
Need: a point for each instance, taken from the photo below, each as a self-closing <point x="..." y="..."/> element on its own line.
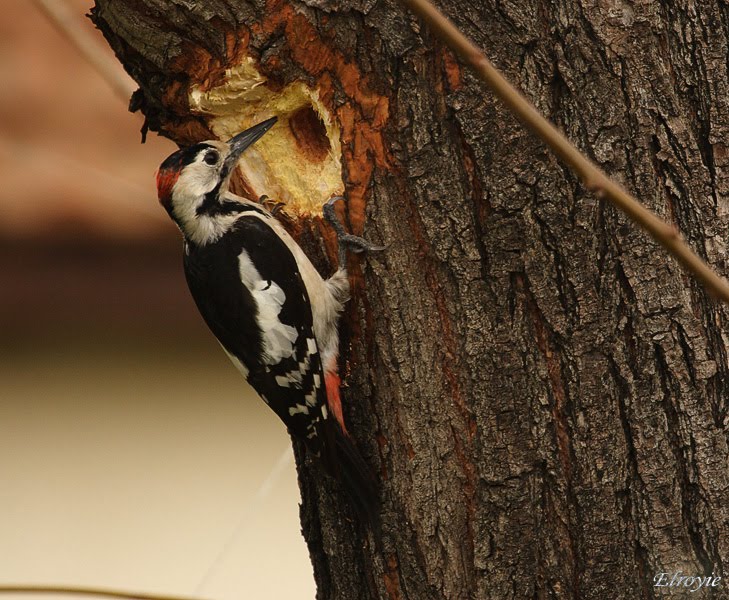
<point x="542" y="392"/>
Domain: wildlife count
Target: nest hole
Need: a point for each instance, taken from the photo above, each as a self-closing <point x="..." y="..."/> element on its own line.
<point x="310" y="133"/>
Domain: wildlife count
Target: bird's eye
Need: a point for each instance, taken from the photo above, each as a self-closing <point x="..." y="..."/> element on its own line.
<point x="211" y="157"/>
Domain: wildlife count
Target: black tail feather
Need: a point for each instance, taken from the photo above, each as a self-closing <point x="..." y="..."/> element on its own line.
<point x="346" y="464"/>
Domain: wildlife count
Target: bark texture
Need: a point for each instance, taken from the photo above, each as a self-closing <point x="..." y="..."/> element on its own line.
<point x="543" y="393"/>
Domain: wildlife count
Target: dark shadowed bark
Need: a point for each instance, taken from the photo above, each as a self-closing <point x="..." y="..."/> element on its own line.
<point x="541" y="391"/>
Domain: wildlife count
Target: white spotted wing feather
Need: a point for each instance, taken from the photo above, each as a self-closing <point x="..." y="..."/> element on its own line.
<point x="278" y="338"/>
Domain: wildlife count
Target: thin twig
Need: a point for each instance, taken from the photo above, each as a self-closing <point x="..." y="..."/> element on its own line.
<point x="592" y="176"/>
<point x="86" y="591"/>
<point x="65" y="21"/>
<point x="261" y="494"/>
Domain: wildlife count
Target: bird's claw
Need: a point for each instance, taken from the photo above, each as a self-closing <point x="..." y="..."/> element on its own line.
<point x="356" y="244"/>
<point x="346" y="241"/>
<point x="271" y="205"/>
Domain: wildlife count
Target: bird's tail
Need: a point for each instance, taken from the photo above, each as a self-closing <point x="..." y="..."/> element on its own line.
<point x="347" y="465"/>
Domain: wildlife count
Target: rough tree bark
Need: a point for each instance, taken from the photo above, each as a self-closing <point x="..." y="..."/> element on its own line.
<point x="543" y="393"/>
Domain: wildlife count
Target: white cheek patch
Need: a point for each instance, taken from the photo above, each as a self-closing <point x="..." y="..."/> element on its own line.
<point x="278" y="338"/>
<point x="198" y="179"/>
<point x="190" y="188"/>
<point x="188" y="194"/>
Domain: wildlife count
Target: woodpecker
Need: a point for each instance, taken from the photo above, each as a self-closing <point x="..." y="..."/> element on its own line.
<point x="269" y="308"/>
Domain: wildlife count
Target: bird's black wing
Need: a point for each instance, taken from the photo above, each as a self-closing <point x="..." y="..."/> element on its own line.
<point x="249" y="290"/>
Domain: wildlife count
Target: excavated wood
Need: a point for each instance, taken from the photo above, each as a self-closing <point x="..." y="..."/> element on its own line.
<point x="542" y="392"/>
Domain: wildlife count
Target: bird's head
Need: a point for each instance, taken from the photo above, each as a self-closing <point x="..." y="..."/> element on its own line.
<point x="192" y="181"/>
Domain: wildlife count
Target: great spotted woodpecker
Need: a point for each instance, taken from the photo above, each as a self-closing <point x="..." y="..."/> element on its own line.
<point x="271" y="311"/>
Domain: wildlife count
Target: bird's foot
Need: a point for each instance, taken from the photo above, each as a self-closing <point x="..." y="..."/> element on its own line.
<point x="346" y="241"/>
<point x="271" y="205"/>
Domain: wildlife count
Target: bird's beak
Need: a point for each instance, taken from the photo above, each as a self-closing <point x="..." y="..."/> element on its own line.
<point x="240" y="142"/>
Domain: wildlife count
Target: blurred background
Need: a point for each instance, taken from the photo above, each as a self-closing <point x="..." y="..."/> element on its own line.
<point x="132" y="454"/>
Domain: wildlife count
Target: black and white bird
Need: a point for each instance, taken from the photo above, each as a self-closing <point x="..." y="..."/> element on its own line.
<point x="265" y="302"/>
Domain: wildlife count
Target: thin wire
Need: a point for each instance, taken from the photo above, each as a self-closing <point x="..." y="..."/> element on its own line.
<point x="86" y="591"/>
<point x="261" y="494"/>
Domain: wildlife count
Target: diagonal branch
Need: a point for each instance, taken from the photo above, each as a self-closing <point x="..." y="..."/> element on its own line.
<point x="65" y="21"/>
<point x="591" y="175"/>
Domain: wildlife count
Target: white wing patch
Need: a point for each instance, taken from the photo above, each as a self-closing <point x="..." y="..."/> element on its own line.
<point x="295" y="378"/>
<point x="299" y="408"/>
<point x="278" y="338"/>
<point x="291" y="379"/>
<point x="238" y="365"/>
<point x="311" y="398"/>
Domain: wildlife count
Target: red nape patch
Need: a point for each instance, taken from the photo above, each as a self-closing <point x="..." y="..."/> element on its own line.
<point x="332" y="383"/>
<point x="166" y="179"/>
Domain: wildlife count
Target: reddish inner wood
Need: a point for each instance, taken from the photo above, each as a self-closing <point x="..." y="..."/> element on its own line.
<point x="310" y="133"/>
